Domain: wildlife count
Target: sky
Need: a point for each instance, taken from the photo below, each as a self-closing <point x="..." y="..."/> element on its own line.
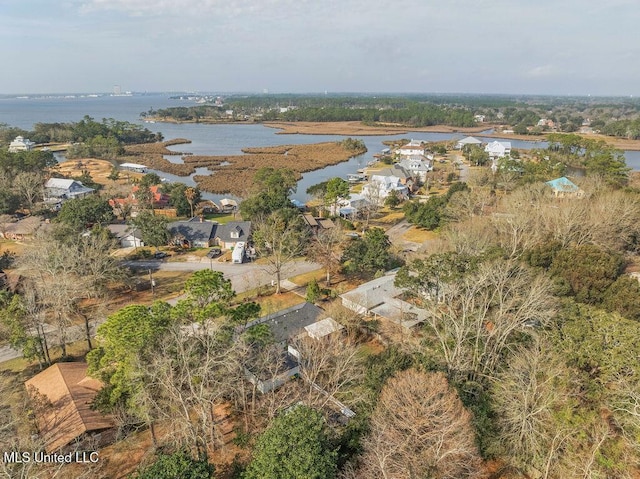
<point x="558" y="47"/>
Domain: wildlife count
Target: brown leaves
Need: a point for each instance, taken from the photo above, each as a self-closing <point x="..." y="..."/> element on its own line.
<point x="420" y="429"/>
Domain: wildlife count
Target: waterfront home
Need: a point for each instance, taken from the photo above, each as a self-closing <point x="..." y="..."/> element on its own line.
<point x="468" y="141"/>
<point x="379" y="187"/>
<point x="414" y="147"/>
<point x="317" y="224"/>
<point x="351" y="206"/>
<point x="135" y="167"/>
<point x="498" y="149"/>
<point x="207" y="207"/>
<point x="417" y="166"/>
<point x="228" y="205"/>
<point x="21" y="144"/>
<point x="565" y="188"/>
<point x="61" y="397"/>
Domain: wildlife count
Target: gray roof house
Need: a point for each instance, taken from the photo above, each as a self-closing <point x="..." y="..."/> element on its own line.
<point x="284" y="325"/>
<point x="289" y="323"/>
<point x="127" y="235"/>
<point x="60" y="189"/>
<point x="198" y="233"/>
<point x="231" y="233"/>
<point x="381" y="298"/>
<point x="418" y="166"/>
<point x="193" y="233"/>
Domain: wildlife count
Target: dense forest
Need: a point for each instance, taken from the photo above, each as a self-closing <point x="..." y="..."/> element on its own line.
<point x="85" y="130"/>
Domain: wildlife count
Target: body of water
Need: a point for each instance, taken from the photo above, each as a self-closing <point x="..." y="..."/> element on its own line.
<point x="212" y="139"/>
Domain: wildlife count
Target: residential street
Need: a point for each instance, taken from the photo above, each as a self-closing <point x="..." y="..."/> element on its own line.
<point x="243" y="277"/>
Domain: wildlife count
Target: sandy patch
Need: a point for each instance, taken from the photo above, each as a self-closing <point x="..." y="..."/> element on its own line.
<point x="98" y="169"/>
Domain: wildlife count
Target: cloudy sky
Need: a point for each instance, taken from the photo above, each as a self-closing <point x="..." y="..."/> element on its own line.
<point x="467" y="46"/>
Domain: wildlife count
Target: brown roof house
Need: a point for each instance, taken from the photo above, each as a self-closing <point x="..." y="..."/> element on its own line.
<point x="62" y="396"/>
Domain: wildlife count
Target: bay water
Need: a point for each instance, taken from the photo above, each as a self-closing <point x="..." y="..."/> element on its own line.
<point x="219" y="139"/>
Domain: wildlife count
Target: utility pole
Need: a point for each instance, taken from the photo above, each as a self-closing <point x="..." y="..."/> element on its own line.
<point x="153" y="284"/>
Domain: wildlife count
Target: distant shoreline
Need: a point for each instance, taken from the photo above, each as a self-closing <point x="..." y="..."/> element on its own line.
<point x="357" y="128"/>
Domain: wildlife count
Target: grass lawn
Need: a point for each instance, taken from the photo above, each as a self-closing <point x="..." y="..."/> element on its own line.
<point x="418" y="235"/>
<point x="391" y="218"/>
<point x="11" y="246"/>
<point x="304" y="279"/>
<point x="169" y="284"/>
<point x="221" y="218"/>
<point x="276" y="302"/>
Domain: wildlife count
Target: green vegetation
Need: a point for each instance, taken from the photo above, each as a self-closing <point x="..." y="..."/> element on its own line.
<point x="431" y="214"/>
<point x="82" y="213"/>
<point x="273" y="187"/>
<point x="179" y="465"/>
<point x="369" y="255"/>
<point x="295" y="445"/>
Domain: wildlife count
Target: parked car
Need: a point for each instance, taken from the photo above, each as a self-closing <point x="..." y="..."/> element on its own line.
<point x="214" y="253"/>
<point x="352" y="235"/>
<point x="160" y="255"/>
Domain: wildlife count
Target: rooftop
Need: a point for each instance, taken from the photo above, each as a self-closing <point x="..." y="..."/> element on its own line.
<point x="68" y="392"/>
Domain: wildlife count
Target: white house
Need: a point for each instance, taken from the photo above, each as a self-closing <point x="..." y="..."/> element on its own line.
<point x="498" y="149"/>
<point x="418" y="166"/>
<point x="379" y="187"/>
<point x="127" y="236"/>
<point x="352" y="205"/>
<point x="414" y="147"/>
<point x="21" y="144"/>
<point x="134" y="167"/>
<point x="61" y="189"/>
<point x="469" y="140"/>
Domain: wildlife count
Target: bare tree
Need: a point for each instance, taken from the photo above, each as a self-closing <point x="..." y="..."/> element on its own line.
<point x="419" y="429"/>
<point x="332" y="369"/>
<point x="187" y="379"/>
<point x="485" y="314"/>
<point x="279" y="239"/>
<point x="373" y="195"/>
<point x="29" y="186"/>
<point x="468" y="204"/>
<point x="63" y="274"/>
<point x="326" y="248"/>
<point x="526" y="396"/>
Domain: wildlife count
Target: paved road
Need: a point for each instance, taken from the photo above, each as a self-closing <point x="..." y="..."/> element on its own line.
<point x="243" y="277"/>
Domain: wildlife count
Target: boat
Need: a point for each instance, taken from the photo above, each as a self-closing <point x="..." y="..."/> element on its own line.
<point x="356" y="177"/>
